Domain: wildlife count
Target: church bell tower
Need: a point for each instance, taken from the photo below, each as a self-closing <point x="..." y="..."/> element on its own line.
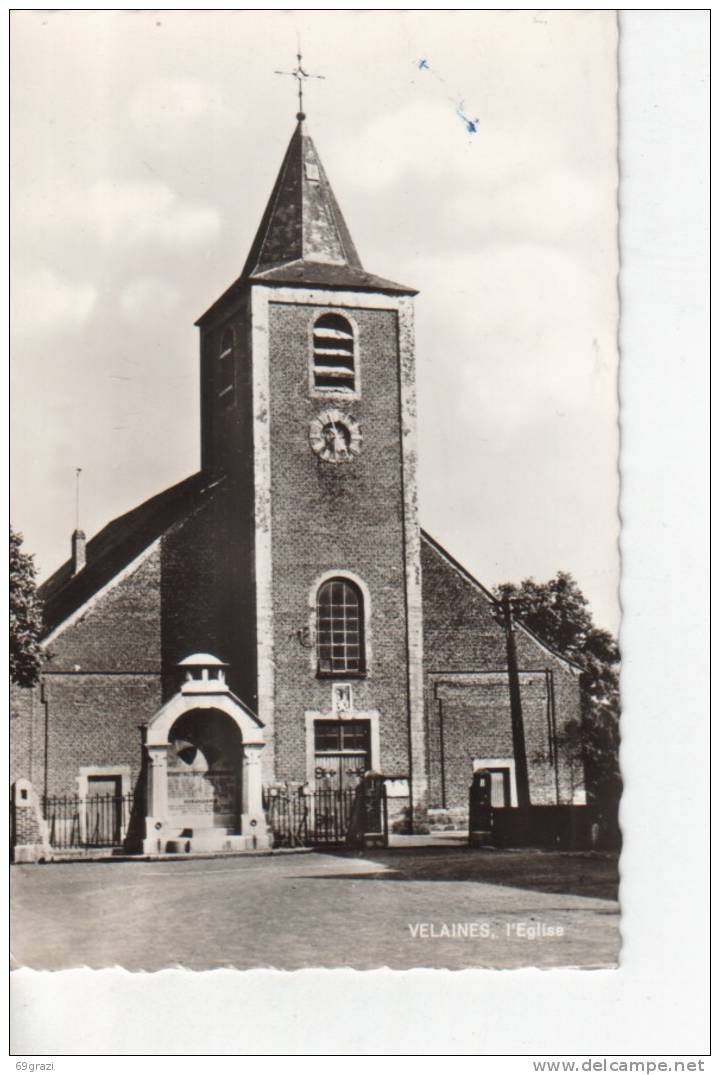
<point x="309" y="421"/>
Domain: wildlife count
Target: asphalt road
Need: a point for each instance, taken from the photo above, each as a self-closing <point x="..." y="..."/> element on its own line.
<point x="415" y="907"/>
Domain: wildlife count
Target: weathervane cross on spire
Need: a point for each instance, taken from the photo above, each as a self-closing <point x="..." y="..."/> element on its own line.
<point x="301" y="75"/>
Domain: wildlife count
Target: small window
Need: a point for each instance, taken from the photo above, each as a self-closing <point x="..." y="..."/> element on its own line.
<point x="340" y="629"/>
<point x="226" y="374"/>
<point x="334" y="354"/>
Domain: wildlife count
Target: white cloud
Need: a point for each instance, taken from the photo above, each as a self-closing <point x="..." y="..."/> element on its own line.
<point x="124" y="213"/>
<point x="147" y="297"/>
<point x="425" y="141"/>
<point x="44" y="302"/>
<point x="522" y="328"/>
<point x="554" y="206"/>
<point x="120" y="214"/>
<point x="501" y="185"/>
<point x="173" y="101"/>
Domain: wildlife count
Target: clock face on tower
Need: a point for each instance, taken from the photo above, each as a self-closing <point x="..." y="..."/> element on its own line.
<point x="335" y="437"/>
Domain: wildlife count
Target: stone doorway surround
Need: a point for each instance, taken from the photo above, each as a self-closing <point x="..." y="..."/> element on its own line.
<point x="204" y="687"/>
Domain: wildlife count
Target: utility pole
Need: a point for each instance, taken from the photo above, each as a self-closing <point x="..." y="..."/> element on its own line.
<point x="516" y="715"/>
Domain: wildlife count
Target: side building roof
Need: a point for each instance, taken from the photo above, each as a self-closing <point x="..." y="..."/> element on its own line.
<point x="456" y="566"/>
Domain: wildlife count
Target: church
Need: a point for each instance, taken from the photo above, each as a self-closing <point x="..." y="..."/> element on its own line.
<point x="279" y="619"/>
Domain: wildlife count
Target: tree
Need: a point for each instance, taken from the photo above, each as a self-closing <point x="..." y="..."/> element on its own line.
<point x="25" y="616"/>
<point x="558" y="613"/>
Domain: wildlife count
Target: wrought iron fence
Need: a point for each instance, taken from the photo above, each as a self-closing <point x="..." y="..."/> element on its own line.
<point x="95" y="821"/>
<point x="299" y="817"/>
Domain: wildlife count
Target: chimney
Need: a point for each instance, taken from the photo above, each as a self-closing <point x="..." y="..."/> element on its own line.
<point x="78" y="551"/>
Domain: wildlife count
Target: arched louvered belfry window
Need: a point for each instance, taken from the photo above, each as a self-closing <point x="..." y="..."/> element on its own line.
<point x="226" y="372"/>
<point x="334" y="353"/>
<point x="340" y="629"/>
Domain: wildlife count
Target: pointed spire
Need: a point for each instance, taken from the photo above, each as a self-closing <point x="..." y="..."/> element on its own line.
<point x="303" y="239"/>
<point x="302" y="221"/>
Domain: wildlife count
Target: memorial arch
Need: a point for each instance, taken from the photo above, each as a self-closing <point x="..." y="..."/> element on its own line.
<point x="204" y="786"/>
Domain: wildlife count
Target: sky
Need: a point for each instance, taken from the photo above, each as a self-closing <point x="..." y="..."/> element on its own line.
<point x="144" y="148"/>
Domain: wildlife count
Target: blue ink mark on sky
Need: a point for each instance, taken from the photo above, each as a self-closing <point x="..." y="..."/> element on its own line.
<point x="470" y="125"/>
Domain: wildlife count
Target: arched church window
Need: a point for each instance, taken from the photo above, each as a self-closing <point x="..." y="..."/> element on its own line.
<point x="340" y="629"/>
<point x="334" y="353"/>
<point x="226" y="374"/>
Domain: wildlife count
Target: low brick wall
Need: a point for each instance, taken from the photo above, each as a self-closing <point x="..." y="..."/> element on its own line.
<point x="560" y="827"/>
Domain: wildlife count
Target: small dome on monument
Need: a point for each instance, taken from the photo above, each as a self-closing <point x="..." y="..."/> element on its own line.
<point x="203" y="672"/>
<point x="202" y="660"/>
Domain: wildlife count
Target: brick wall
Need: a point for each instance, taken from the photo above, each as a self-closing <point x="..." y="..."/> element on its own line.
<point x="221" y="545"/>
<point x="119" y="632"/>
<point x="94" y="720"/>
<point x="109" y="670"/>
<point x="226" y="434"/>
<point x="101" y="681"/>
<point x="79" y="719"/>
<point x="27" y="824"/>
<point x="327" y="517"/>
<point x="207" y="598"/>
<point x="24" y="728"/>
<point x="467" y="699"/>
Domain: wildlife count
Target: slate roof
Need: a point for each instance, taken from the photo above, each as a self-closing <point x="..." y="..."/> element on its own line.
<point x="303" y="239"/>
<point x="302" y="219"/>
<point x="117" y="545"/>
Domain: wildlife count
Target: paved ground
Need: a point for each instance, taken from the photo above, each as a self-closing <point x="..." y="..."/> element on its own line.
<point x="385" y="908"/>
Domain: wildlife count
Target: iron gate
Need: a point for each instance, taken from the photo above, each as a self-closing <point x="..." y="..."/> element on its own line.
<point x="299" y="817"/>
